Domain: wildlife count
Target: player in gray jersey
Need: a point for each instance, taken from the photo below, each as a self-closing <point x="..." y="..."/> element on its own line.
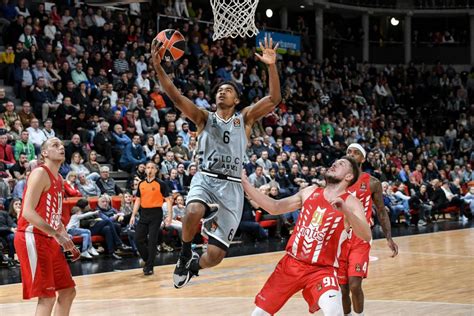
<point x="223" y="139"/>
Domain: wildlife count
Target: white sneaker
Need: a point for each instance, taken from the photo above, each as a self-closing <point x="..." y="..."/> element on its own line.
<point x="464" y="218"/>
<point x="86" y="255"/>
<point x="421" y="223"/>
<point x="93" y="251"/>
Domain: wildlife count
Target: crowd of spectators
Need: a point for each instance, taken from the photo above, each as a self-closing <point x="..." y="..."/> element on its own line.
<point x="85" y="75"/>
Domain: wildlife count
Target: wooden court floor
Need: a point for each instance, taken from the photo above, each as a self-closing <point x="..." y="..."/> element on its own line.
<point x="433" y="275"/>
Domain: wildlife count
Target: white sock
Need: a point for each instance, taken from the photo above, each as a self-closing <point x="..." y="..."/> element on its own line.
<point x="350" y="314"/>
<point x="358" y="314"/>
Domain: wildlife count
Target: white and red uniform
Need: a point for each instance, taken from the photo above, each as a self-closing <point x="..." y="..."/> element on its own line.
<point x="311" y="256"/>
<point x="354" y="258"/>
<point x="44" y="269"/>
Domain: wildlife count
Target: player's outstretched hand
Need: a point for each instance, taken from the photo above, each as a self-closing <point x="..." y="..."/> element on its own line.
<point x="268" y="51"/>
<point x="155" y="55"/>
<point x="393" y="246"/>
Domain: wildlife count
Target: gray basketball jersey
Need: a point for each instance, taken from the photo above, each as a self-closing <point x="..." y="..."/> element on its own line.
<point x="222" y="145"/>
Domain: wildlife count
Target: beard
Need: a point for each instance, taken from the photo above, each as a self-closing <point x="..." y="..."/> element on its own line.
<point x="331" y="179"/>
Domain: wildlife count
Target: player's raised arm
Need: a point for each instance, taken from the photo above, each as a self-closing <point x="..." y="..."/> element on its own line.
<point x="354" y="213"/>
<point x="268" y="103"/>
<point x="195" y="114"/>
<point x="272" y="206"/>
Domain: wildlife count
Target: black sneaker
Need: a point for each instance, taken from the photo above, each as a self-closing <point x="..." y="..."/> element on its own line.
<point x="147" y="271"/>
<point x="182" y="273"/>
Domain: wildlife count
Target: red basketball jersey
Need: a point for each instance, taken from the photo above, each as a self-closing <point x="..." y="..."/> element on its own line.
<point x="361" y="190"/>
<point x="49" y="206"/>
<point x="319" y="232"/>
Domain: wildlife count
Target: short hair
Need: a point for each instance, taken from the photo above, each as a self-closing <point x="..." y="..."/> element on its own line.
<point x="104" y="169"/>
<point x="230" y="83"/>
<point x="82" y="203"/>
<point x="354" y="168"/>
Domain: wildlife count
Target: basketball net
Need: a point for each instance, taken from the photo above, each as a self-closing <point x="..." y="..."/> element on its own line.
<point x="234" y="18"/>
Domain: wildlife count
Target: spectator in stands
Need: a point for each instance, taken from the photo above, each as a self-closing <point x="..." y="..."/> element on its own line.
<point x="149" y="126"/>
<point x="105" y="228"/>
<point x="180" y="151"/>
<point x="443" y="198"/>
<point x="43" y="100"/>
<point x="174" y="183"/>
<point x="257" y="179"/>
<point x="8" y="228"/>
<point x="25" y="114"/>
<point x="36" y="135"/>
<point x="396" y="206"/>
<point x="75" y="146"/>
<point x="73" y="229"/>
<point x="132" y="155"/>
<point x="7" y="158"/>
<point x="469" y="199"/>
<point x="201" y="101"/>
<point x="92" y="165"/>
<point x="168" y="164"/>
<point x="149" y="147"/>
<point x="78" y="167"/>
<point x="192" y="169"/>
<point x="9" y="116"/>
<point x="70" y="185"/>
<point x="264" y="162"/>
<point x="250" y="229"/>
<point x="87" y="187"/>
<point x="104" y="143"/>
<point x="107" y="184"/>
<point x="251" y="165"/>
<point x="24" y="146"/>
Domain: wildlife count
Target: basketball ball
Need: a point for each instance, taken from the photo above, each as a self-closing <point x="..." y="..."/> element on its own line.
<point x="172" y="44"/>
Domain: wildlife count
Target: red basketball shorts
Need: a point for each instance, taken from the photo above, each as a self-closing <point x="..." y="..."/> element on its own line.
<point x="44" y="269"/>
<point x="354" y="260"/>
<point x="291" y="276"/>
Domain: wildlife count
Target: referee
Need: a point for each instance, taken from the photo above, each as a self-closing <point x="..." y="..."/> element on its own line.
<point x="151" y="195"/>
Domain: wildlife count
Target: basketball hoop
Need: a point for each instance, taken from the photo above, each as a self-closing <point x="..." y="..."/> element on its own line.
<point x="234" y="18"/>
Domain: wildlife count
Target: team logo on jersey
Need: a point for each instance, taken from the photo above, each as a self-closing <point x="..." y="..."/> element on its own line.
<point x="363" y="187"/>
<point x="357" y="267"/>
<point x="318" y="216"/>
<point x="236" y="122"/>
<point x="214" y="226"/>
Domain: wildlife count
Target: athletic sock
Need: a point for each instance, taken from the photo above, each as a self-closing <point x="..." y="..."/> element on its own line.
<point x="358" y="314"/>
<point x="350" y="314"/>
<point x="186" y="250"/>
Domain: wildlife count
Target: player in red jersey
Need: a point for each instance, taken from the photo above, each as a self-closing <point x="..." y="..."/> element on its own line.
<point x="354" y="259"/>
<point x="311" y="253"/>
<point x="41" y="234"/>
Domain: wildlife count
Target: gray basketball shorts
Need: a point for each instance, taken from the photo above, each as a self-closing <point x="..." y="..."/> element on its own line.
<point x="229" y="196"/>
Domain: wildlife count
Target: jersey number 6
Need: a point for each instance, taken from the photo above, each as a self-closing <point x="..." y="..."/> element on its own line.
<point x="226" y="137"/>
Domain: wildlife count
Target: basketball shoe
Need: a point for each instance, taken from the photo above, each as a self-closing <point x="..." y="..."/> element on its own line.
<point x="185" y="270"/>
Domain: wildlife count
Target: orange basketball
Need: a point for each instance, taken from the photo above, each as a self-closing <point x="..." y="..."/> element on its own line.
<point x="171" y="44"/>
